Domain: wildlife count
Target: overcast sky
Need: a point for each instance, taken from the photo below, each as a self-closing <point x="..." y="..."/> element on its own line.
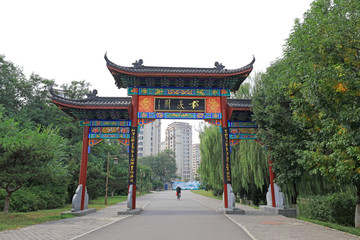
<point x="66" y="40"/>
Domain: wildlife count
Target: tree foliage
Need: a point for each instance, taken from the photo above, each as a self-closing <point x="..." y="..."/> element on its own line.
<point x="211" y="171"/>
<point x="162" y="165"/>
<point x="27" y="154"/>
<point x="323" y="55"/>
<point x="307" y="103"/>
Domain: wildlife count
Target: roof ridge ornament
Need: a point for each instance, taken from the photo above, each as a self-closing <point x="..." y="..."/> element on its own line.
<point x="219" y="66"/>
<point x="92" y="94"/>
<point x="138" y="64"/>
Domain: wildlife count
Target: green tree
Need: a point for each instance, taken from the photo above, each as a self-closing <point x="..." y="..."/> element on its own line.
<point x="250" y="171"/>
<point x="26" y="154"/>
<point x="143" y="176"/>
<point x="323" y="59"/>
<point x="12" y="81"/>
<point x="211" y="169"/>
<point x="162" y="165"/>
<point x="278" y="131"/>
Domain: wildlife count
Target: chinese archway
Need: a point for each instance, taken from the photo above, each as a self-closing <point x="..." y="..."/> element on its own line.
<point x="162" y="93"/>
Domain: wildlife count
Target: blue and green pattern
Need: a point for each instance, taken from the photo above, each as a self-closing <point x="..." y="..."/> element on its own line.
<point x="105" y="123"/>
<point x="108" y="135"/>
<point x="239" y="124"/>
<point x="190" y="92"/>
<point x="242" y="136"/>
<point x="179" y="115"/>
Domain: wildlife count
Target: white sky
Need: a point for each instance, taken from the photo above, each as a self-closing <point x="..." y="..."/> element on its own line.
<point x="66" y="40"/>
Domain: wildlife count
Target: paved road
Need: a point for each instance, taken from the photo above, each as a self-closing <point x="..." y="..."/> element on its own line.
<point x="164" y="217"/>
<point x="193" y="217"/>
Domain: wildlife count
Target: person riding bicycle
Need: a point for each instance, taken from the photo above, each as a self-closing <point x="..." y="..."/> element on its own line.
<point x="178" y="192"/>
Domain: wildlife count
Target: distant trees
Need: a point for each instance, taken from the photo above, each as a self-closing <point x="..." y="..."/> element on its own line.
<point x="162" y="165"/>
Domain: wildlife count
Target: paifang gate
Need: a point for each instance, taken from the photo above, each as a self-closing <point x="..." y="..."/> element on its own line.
<point x="161" y="93"/>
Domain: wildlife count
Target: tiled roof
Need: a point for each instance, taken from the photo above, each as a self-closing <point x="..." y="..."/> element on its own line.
<point x="239" y="103"/>
<point x="141" y="69"/>
<point x="92" y="101"/>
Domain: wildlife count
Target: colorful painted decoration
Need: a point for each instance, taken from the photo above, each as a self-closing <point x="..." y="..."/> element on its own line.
<point x="124" y="141"/>
<point x="103" y="123"/>
<point x="190" y="92"/>
<point x="233" y="142"/>
<point x="109" y="136"/>
<point x="243" y="130"/>
<point x="242" y="136"/>
<point x="145" y="121"/>
<point x="216" y="122"/>
<point x="94" y="141"/>
<point x="104" y="130"/>
<point x="241" y="124"/>
<point x="178" y="115"/>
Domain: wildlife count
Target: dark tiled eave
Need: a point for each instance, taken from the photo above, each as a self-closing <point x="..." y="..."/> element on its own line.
<point x="106" y="108"/>
<point x="239" y="110"/>
<point x="178" y="71"/>
<point x="239" y="103"/>
<point x="181" y="77"/>
<point x="92" y="103"/>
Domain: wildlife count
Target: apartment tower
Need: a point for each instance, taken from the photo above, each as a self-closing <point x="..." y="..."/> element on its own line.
<point x="149" y="139"/>
<point x="178" y="138"/>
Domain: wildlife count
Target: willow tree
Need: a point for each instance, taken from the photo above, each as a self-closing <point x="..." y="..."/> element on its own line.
<point x="248" y="161"/>
<point x="250" y="172"/>
<point x="211" y="169"/>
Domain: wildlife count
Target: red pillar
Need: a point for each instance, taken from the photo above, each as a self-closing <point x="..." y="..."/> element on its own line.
<point x="83" y="167"/>
<point x="225" y="150"/>
<point x="133" y="147"/>
<point x="272" y="177"/>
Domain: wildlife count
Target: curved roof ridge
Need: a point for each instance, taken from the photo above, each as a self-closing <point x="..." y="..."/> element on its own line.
<point x="86" y="99"/>
<point x="138" y="67"/>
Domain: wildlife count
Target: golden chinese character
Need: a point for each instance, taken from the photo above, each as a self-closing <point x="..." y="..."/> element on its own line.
<point x="167" y="103"/>
<point x="194" y="104"/>
<point x="180" y="105"/>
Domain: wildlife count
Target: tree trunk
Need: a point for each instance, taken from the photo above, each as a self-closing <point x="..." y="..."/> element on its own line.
<point x="7" y="202"/>
<point x="294" y="199"/>
<point x="357" y="209"/>
<point x="9" y="191"/>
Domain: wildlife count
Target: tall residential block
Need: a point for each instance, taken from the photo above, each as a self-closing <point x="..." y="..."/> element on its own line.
<point x="149" y="139"/>
<point x="178" y="138"/>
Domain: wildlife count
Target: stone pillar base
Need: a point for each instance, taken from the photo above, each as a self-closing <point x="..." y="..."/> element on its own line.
<point x="235" y="210"/>
<point x="287" y="212"/>
<point x="76" y="200"/>
<point x="136" y="211"/>
<point x="80" y="212"/>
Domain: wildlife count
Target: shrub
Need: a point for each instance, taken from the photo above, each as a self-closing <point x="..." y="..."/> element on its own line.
<point x="34" y="198"/>
<point x="336" y="208"/>
<point x="217" y="192"/>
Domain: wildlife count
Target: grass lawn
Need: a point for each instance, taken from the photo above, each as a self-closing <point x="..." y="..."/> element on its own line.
<point x="18" y="219"/>
<point x="352" y="230"/>
<point x="206" y="194"/>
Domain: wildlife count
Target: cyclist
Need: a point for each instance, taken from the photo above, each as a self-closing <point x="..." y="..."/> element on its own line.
<point x="178" y="192"/>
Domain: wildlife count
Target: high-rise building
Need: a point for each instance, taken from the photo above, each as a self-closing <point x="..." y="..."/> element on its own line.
<point x="163" y="146"/>
<point x="196" y="159"/>
<point x="149" y="139"/>
<point x="178" y="138"/>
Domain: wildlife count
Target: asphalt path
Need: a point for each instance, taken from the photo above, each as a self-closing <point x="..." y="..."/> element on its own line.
<point x="165" y="217"/>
